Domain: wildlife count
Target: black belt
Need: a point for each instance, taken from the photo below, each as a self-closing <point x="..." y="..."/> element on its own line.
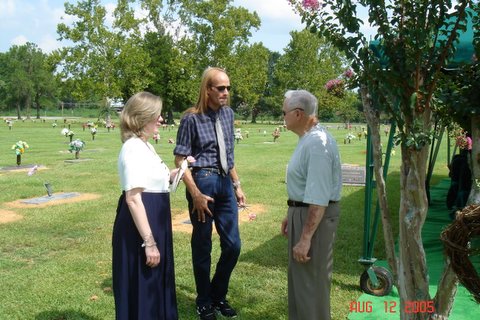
<point x="292" y="203"/>
<point x="212" y="170"/>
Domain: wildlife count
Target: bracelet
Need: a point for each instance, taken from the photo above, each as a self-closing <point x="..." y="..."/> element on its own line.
<point x="148" y="245"/>
<point x="148" y="241"/>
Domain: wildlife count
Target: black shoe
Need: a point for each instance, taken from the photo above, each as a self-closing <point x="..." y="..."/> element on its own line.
<point x="225" y="309"/>
<point x="206" y="313"/>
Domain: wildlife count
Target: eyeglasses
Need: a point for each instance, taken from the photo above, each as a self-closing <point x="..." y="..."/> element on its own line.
<point x="221" y="88"/>
<point x="285" y="112"/>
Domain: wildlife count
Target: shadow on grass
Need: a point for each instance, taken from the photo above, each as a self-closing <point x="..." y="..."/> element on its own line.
<point x="270" y="253"/>
<point x="64" y="315"/>
<point x="247" y="306"/>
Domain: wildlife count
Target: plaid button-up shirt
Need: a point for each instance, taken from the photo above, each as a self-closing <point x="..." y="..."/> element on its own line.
<point x="196" y="137"/>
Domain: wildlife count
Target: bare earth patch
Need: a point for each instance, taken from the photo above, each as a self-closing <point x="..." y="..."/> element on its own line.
<point x="181" y="218"/>
<point x="77" y="198"/>
<point x="9" y="216"/>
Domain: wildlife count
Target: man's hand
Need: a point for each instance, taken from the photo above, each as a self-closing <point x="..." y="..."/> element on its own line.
<point x="300" y="251"/>
<point x="200" y="206"/>
<point x="241" y="198"/>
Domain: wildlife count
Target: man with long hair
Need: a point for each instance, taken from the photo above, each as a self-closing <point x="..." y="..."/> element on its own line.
<point x="214" y="194"/>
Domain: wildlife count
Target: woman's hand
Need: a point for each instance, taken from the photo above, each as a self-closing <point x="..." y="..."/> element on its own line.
<point x="153" y="256"/>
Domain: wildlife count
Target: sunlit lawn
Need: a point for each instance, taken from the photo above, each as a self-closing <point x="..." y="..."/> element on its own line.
<point x="55" y="261"/>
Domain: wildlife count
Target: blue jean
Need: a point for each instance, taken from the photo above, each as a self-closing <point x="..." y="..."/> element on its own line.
<point x="225" y="217"/>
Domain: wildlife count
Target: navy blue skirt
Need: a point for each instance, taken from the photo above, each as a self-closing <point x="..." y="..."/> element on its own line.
<point x="141" y="292"/>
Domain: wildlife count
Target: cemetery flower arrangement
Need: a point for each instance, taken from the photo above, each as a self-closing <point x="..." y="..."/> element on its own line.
<point x="238" y="134"/>
<point x="76" y="145"/>
<point x="350" y="136"/>
<point x="20" y="147"/>
<point x="67" y="133"/>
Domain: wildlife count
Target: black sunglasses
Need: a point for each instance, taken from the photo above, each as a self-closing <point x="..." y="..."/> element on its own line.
<point x="221" y="88"/>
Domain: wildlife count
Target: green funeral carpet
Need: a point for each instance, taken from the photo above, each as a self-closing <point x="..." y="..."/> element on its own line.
<point x="388" y="307"/>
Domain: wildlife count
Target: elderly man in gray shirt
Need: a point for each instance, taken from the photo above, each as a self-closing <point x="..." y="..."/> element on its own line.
<point x="314" y="183"/>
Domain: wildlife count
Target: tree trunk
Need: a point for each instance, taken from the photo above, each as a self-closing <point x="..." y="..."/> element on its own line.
<point x="19" y="159"/>
<point x="77" y="154"/>
<point x="413" y="272"/>
<point x="37" y="105"/>
<point x="373" y="121"/>
<point x="28" y="102"/>
<point x="18" y="111"/>
<point x="447" y="289"/>
<point x="474" y="197"/>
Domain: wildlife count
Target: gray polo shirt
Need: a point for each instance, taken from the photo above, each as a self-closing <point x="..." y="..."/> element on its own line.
<point x="314" y="173"/>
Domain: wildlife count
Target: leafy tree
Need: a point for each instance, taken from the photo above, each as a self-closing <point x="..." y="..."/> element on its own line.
<point x="216" y="27"/>
<point x="44" y="84"/>
<point x="399" y="74"/>
<point x="212" y="33"/>
<point x="26" y="78"/>
<point x="249" y="76"/>
<point x="308" y="63"/>
<point x="267" y="103"/>
<point x="107" y="61"/>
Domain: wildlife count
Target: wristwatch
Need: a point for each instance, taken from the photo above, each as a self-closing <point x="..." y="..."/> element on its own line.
<point x="236" y="184"/>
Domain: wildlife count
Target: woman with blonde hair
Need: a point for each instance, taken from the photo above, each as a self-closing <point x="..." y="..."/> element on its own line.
<point x="142" y="263"/>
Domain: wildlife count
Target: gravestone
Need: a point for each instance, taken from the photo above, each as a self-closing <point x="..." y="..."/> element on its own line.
<point x="353" y="175"/>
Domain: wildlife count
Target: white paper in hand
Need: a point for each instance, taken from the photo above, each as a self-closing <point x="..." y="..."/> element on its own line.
<point x="179" y="175"/>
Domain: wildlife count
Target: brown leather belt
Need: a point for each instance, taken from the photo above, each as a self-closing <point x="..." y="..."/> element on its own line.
<point x="292" y="203"/>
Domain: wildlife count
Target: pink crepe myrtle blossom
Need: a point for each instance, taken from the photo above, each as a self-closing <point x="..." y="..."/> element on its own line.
<point x="335" y="87"/>
<point x="311" y="4"/>
<point x="469" y="143"/>
<point x="348" y="73"/>
<point x="463" y="142"/>
<point x="333" y="83"/>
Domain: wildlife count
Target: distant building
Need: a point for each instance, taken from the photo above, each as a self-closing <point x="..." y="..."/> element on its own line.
<point x="116" y="104"/>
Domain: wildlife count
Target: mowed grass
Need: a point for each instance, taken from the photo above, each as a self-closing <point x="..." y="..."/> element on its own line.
<point x="55" y="262"/>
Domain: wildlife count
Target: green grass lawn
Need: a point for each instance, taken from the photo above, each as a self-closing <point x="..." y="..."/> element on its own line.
<point x="55" y="263"/>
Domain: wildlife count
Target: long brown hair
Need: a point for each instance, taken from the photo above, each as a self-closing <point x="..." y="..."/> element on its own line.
<point x="139" y="110"/>
<point x="207" y="78"/>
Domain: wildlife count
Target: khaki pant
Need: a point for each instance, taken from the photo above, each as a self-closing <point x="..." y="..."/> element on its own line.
<point x="309" y="283"/>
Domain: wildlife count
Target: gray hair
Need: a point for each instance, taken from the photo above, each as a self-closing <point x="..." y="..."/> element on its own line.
<point x="301" y="99"/>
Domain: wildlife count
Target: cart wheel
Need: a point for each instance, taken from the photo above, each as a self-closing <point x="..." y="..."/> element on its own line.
<point x="385" y="282"/>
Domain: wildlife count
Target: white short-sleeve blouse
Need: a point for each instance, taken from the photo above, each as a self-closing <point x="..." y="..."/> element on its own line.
<point x="140" y="166"/>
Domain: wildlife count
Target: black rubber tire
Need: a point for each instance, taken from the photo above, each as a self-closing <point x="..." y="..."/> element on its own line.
<point x="385" y="280"/>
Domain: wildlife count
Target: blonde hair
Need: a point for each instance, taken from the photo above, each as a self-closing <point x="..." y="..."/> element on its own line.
<point x="207" y="80"/>
<point x="139" y="110"/>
